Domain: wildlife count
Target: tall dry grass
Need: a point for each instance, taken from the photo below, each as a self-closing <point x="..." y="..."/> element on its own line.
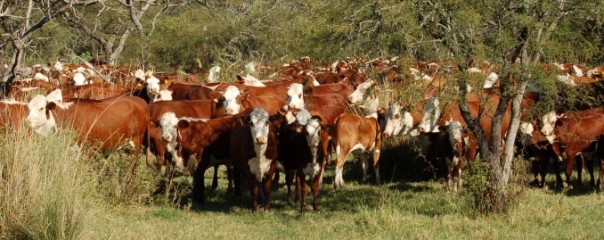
<point x="44" y="184"/>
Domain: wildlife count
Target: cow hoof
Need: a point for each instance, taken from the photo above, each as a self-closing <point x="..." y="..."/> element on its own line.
<point x="315" y="208"/>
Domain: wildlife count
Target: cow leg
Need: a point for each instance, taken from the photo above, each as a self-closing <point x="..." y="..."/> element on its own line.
<point x="316" y="184"/>
<point x="590" y="169"/>
<point x="556" y="164"/>
<point x="364" y="164"/>
<point x="338" y="180"/>
<point x="571" y="155"/>
<point x="543" y="166"/>
<point x="254" y="193"/>
<point x="237" y="183"/>
<point x="303" y="189"/>
<point x="198" y="177"/>
<point x="325" y="148"/>
<point x="268" y="182"/>
<point x="600" y="178"/>
<point x="580" y="166"/>
<point x="289" y="179"/>
<point x="376" y="165"/>
<point x="449" y="173"/>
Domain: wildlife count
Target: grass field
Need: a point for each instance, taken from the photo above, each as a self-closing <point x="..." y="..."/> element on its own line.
<point x="51" y="191"/>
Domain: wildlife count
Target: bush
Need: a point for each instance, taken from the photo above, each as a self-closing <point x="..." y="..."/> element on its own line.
<point x="43" y="184"/>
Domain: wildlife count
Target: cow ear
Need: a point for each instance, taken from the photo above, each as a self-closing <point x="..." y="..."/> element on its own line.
<point x="50" y="106"/>
<point x="183" y="124"/>
<point x="559" y="123"/>
<point x="319" y="116"/>
<point x="382" y="112"/>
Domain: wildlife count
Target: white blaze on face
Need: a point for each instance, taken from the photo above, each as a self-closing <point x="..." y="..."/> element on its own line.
<point x="394" y="123"/>
<point x="168" y="123"/>
<point x="295" y="98"/>
<point x="153" y="86"/>
<point x="491" y="80"/>
<point x="455" y="133"/>
<point x="163" y="95"/>
<point x="548" y="122"/>
<point x="231" y="104"/>
<point x="417" y="75"/>
<point x="58" y="66"/>
<point x="250" y="68"/>
<point x="526" y="129"/>
<point x="578" y="71"/>
<point x="37" y="118"/>
<point x="78" y="79"/>
<point x="431" y="116"/>
<point x="41" y="77"/>
<point x="259" y="127"/>
<point x="214" y="74"/>
<point x="359" y="94"/>
<point x="474" y="70"/>
<point x="139" y="74"/>
<point x="250" y="80"/>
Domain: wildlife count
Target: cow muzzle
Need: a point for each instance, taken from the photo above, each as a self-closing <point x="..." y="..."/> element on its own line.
<point x="166" y="138"/>
<point x="260" y="140"/>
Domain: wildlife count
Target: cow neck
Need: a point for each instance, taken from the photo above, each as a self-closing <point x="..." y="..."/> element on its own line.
<point x="63" y="112"/>
<point x="220" y="126"/>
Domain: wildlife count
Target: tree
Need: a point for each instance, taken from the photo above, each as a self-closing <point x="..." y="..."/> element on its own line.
<point x="513" y="34"/>
<point x="19" y="20"/>
<point x="111" y="23"/>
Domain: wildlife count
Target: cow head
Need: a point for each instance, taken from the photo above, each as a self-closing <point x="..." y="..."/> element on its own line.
<point x="78" y="79"/>
<point x="162" y="95"/>
<point x="295" y="96"/>
<point x="526" y="133"/>
<point x="431" y="116"/>
<point x="152" y="85"/>
<point x="170" y="127"/>
<point x="361" y="92"/>
<point x="548" y="124"/>
<point x="312" y="124"/>
<point x="213" y="74"/>
<point x="259" y="127"/>
<point x="232" y="100"/>
<point x="397" y="121"/>
<point x="40" y="117"/>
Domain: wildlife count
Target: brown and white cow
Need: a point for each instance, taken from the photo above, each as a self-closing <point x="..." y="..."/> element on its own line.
<point x="254" y="153"/>
<point x="109" y="122"/>
<point x="360" y="136"/>
<point x="576" y="131"/>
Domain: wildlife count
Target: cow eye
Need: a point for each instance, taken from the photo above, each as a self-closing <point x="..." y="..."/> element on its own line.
<point x="299" y="95"/>
<point x="41" y="109"/>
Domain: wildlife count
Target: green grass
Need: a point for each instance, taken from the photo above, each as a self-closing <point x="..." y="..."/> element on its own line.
<point x="89" y="197"/>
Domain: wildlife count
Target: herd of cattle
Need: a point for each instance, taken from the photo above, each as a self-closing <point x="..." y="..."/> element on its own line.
<point x="293" y="122"/>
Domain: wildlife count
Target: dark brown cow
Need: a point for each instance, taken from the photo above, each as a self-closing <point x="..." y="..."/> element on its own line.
<point x="108" y="123"/>
<point x="206" y="138"/>
<point x="301" y="155"/>
<point x="254" y="153"/>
